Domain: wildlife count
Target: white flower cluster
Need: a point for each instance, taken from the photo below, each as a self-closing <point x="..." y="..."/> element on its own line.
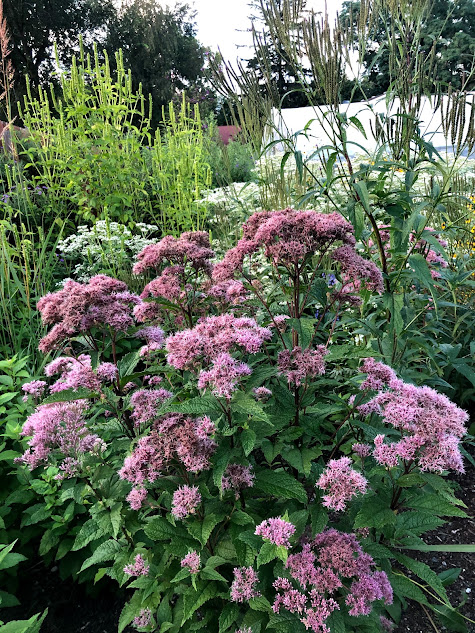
<point x="105" y="246"/>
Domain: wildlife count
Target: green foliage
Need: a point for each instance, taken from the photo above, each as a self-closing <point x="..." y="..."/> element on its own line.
<point x="102" y="161"/>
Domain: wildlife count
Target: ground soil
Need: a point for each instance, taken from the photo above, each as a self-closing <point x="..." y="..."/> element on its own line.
<point x="72" y="610"/>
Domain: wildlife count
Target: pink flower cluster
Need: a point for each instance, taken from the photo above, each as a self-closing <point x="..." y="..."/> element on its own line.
<point x="137" y="568"/>
<point x="212" y="336"/>
<point x="35" y="388"/>
<point x="230" y="292"/>
<point x="185" y="501"/>
<point x="320" y="570"/>
<point x="298" y="365"/>
<point x="276" y="530"/>
<point x="143" y="619"/>
<point x="154" y="337"/>
<point x="430" y="424"/>
<point x="236" y="477"/>
<point x="170" y="285"/>
<point x="262" y="393"/>
<point x="175" y="436"/>
<point x="59" y="427"/>
<point x="358" y="270"/>
<point x="192" y="561"/>
<point x="74" y="373"/>
<point x="288" y="236"/>
<point x="224" y="375"/>
<point x="362" y="450"/>
<point x="146" y="402"/>
<point x="342" y="483"/>
<point x="378" y="375"/>
<point x="243" y="587"/>
<point x="77" y="308"/>
<point x="191" y="247"/>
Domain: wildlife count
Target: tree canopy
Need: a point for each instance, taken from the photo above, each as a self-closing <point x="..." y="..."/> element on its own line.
<point x="159" y="46"/>
<point x="36" y="25"/>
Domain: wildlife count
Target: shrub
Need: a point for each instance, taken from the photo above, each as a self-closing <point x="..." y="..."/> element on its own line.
<point x="240" y="469"/>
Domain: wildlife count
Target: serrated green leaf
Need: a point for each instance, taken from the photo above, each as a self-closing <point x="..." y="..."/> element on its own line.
<point x="193" y="600"/>
<point x="260" y="603"/>
<point x="280" y="485"/>
<point x="228" y="616"/>
<point x="425" y="573"/>
<point x="372" y="515"/>
<point x="90" y="531"/>
<point x="103" y="552"/>
<point x="267" y="553"/>
<point x="241" y="518"/>
<point x="416" y="523"/>
<point x="208" y="573"/>
<point x="248" y="440"/>
<point x="69" y="395"/>
<point x="436" y="505"/>
<point x="336" y="623"/>
<point x="404" y="587"/>
<point x="158" y="529"/>
<point x="244" y="403"/>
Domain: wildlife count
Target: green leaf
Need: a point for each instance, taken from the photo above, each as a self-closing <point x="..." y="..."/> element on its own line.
<point x="425" y="573"/>
<point x="241" y="518"/>
<point x="104" y="552"/>
<point x="280" y="484"/>
<point x="228" y="616"/>
<point x="336" y="623"/>
<point x="69" y="395"/>
<point x="267" y="553"/>
<point x="208" y="573"/>
<point x="201" y="530"/>
<point x="49" y="540"/>
<point x="244" y="403"/>
<point x="8" y="600"/>
<point x="416" y="523"/>
<point x="32" y="625"/>
<point x="130" y="611"/>
<point x="260" y="604"/>
<point x="90" y="531"/>
<point x="248" y="440"/>
<point x="372" y="515"/>
<point x="463" y="548"/>
<point x="158" y="529"/>
<point x="403" y="586"/>
<point x="195" y="406"/>
<point x="449" y="576"/>
<point x="193" y="600"/>
<point x="419" y="265"/>
<point x="436" y="504"/>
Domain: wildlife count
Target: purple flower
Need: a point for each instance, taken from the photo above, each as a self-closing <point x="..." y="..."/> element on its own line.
<point x="276" y="530"/>
<point x="185" y="501"/>
<point x="192" y="561"/>
<point x="342" y="483"/>
<point x="243" y="587"/>
<point x="137" y="568"/>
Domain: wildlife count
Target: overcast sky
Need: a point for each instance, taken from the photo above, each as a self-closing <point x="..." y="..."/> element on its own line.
<point x="222" y="23"/>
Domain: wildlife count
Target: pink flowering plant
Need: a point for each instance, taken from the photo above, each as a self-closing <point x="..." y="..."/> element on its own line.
<point x="241" y="470"/>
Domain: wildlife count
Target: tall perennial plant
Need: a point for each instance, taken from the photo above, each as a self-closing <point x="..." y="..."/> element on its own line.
<point x="242" y="470"/>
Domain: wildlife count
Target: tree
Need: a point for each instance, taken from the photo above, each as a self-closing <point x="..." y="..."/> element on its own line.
<point x="448" y="27"/>
<point x="36" y="25"/>
<point x="270" y="62"/>
<point x="159" y="47"/>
